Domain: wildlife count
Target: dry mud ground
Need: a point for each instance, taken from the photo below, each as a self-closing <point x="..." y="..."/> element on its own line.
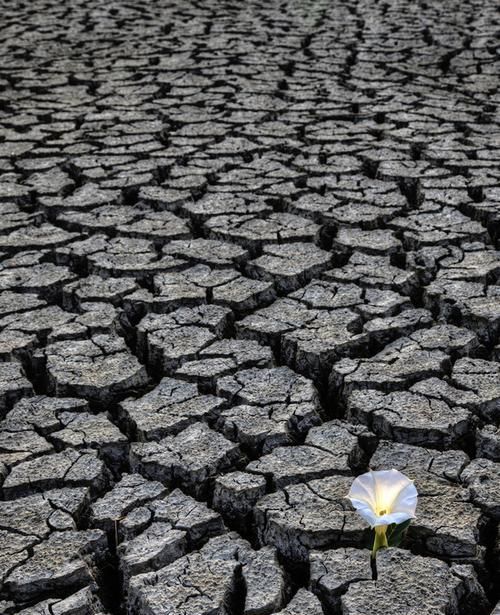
<point x="248" y="250"/>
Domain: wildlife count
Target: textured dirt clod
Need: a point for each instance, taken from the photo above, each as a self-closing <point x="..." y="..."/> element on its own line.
<point x="248" y="250"/>
<point x="344" y="581"/>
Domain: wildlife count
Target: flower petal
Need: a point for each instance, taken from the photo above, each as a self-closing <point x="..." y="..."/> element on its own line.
<point x="363" y="490"/>
<point x="406" y="501"/>
<point x="365" y="511"/>
<point x="389" y="484"/>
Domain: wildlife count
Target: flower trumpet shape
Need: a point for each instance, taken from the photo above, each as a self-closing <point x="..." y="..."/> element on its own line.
<point x="384" y="498"/>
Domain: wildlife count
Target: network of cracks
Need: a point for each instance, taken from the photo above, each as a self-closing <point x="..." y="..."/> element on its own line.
<point x="248" y="251"/>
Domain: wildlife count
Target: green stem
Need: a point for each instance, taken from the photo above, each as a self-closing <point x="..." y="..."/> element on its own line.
<point x="380" y="541"/>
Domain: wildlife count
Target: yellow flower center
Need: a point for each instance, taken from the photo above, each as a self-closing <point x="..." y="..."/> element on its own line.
<point x="384" y="500"/>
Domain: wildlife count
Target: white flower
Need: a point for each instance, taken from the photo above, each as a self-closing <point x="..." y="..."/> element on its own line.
<point x="384" y="497"/>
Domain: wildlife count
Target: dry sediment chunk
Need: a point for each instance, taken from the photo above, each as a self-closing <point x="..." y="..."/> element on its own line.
<point x="251" y="232"/>
<point x="473" y="263"/>
<point x="65" y="430"/>
<point x="303" y="602"/>
<point x="448" y="525"/>
<point x="329" y="449"/>
<point x="117" y="257"/>
<point x="132" y="257"/>
<point x="425" y="353"/>
<point x="384" y="330"/>
<point x="333" y="571"/>
<point x="449" y="296"/>
<point x="159" y="227"/>
<point x="264" y="578"/>
<point x="202" y="284"/>
<point x="84" y="430"/>
<point x="12" y="217"/>
<point x="482" y="477"/>
<point x="102" y="219"/>
<point x="369" y="302"/>
<point x="441" y="389"/>
<point x="310" y="516"/>
<point x="267" y="386"/>
<point x="488" y="442"/>
<point x="372" y="271"/>
<point x="260" y="429"/>
<point x="223" y="358"/>
<point x="163" y="198"/>
<point x="431" y="225"/>
<point x="193" y="458"/>
<point x="414" y="459"/>
<point x="132" y="491"/>
<point x="396" y="367"/>
<point x="15" y="551"/>
<point x="69" y="468"/>
<point x="83" y="602"/>
<point x="216" y="254"/>
<point x="15" y="303"/>
<point x="44" y="279"/>
<point x="167" y="409"/>
<point x="411" y="418"/>
<point x="308" y="339"/>
<point x="63" y="562"/>
<point x="372" y="242"/>
<point x="236" y="493"/>
<point x="481" y="378"/>
<point x="41" y="412"/>
<point x="100" y="368"/>
<point x="221" y="203"/>
<point x="154" y="548"/>
<point x="182" y="512"/>
<point x="270" y="407"/>
<point x="482" y="314"/>
<point x="24" y="431"/>
<point x="13" y="386"/>
<point x="166" y="341"/>
<point x="20" y="443"/>
<point x="38" y="515"/>
<point x="94" y="288"/>
<point x="22" y="333"/>
<point x="354" y="201"/>
<point x="88" y="196"/>
<point x="209" y="579"/>
<point x="35" y="238"/>
<point x="133" y="515"/>
<point x="289" y="465"/>
<point x="269" y="324"/>
<point x="406" y="583"/>
<point x="311" y="350"/>
<point x="289" y="266"/>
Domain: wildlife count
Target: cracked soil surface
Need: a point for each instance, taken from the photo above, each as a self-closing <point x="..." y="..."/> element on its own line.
<point x="248" y="250"/>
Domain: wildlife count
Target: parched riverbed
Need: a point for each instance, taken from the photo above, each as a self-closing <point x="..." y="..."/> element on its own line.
<point x="247" y="252"/>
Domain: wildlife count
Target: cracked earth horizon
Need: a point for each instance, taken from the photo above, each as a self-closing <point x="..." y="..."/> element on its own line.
<point x="248" y="250"/>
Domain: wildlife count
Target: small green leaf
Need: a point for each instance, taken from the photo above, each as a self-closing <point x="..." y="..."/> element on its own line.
<point x="390" y="529"/>
<point x="396" y="533"/>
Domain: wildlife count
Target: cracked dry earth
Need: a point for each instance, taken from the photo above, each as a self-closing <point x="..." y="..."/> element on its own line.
<point x="248" y="250"/>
